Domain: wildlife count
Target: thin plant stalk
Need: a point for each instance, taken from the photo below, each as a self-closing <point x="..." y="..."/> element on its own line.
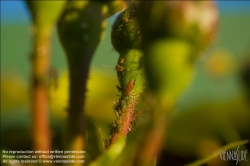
<point x="126" y="40"/>
<point x="81" y="28"/>
<point x="132" y="82"/>
<point x="44" y="14"/>
<point x="39" y="98"/>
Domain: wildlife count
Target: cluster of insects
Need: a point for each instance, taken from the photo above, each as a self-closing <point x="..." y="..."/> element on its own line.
<point x="120" y="105"/>
<point x="106" y="143"/>
<point x="113" y="128"/>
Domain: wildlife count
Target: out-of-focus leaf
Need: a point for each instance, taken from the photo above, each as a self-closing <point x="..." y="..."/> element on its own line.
<point x="154" y="162"/>
<point x="217" y="153"/>
<point x="213" y="120"/>
<point x="92" y="140"/>
<point x="108" y="157"/>
<point x="170" y="68"/>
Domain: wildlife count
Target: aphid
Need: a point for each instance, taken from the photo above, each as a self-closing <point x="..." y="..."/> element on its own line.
<point x="106" y="143"/>
<point x="129" y="87"/>
<point x="117" y="114"/>
<point x="111" y="129"/>
<point x="123" y="104"/>
<point x="119" y="68"/>
<point x="121" y="60"/>
<point x="134" y="96"/>
<point x="126" y="20"/>
<point x="115" y="127"/>
<point x="119" y="88"/>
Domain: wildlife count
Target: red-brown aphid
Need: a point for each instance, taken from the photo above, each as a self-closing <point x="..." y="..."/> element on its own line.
<point x="126" y="20"/>
<point x="121" y="60"/>
<point x="129" y="87"/>
<point x="119" y="68"/>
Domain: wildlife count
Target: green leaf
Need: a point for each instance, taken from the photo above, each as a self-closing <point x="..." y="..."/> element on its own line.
<point x="108" y="157"/>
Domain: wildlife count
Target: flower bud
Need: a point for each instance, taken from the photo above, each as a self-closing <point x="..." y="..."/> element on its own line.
<point x="125" y="31"/>
<point x="194" y="21"/>
<point x="81" y="28"/>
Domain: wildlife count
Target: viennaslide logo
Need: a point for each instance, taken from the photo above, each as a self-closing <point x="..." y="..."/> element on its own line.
<point x="234" y="155"/>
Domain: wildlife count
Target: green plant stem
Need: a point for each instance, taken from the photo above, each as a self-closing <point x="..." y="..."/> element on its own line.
<point x="80" y="28"/>
<point x="44" y="14"/>
<point x="124" y="124"/>
<point x="75" y="125"/>
<point x="39" y="93"/>
<point x="131" y="77"/>
<point x="126" y="40"/>
<point x="217" y="152"/>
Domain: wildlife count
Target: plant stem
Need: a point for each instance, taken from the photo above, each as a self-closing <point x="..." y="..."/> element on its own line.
<point x="131" y="77"/>
<point x="44" y="14"/>
<point x="124" y="124"/>
<point x="80" y="27"/>
<point x="78" y="75"/>
<point x="39" y="96"/>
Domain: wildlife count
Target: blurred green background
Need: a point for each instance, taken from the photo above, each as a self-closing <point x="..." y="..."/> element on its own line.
<point x="213" y="111"/>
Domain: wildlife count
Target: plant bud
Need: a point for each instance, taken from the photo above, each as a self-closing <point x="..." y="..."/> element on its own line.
<point x="174" y="33"/>
<point x="81" y="28"/>
<point x="194" y="21"/>
<point x="125" y="31"/>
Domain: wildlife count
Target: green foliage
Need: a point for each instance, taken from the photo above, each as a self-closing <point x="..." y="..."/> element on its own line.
<point x="108" y="157"/>
<point x="158" y="44"/>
